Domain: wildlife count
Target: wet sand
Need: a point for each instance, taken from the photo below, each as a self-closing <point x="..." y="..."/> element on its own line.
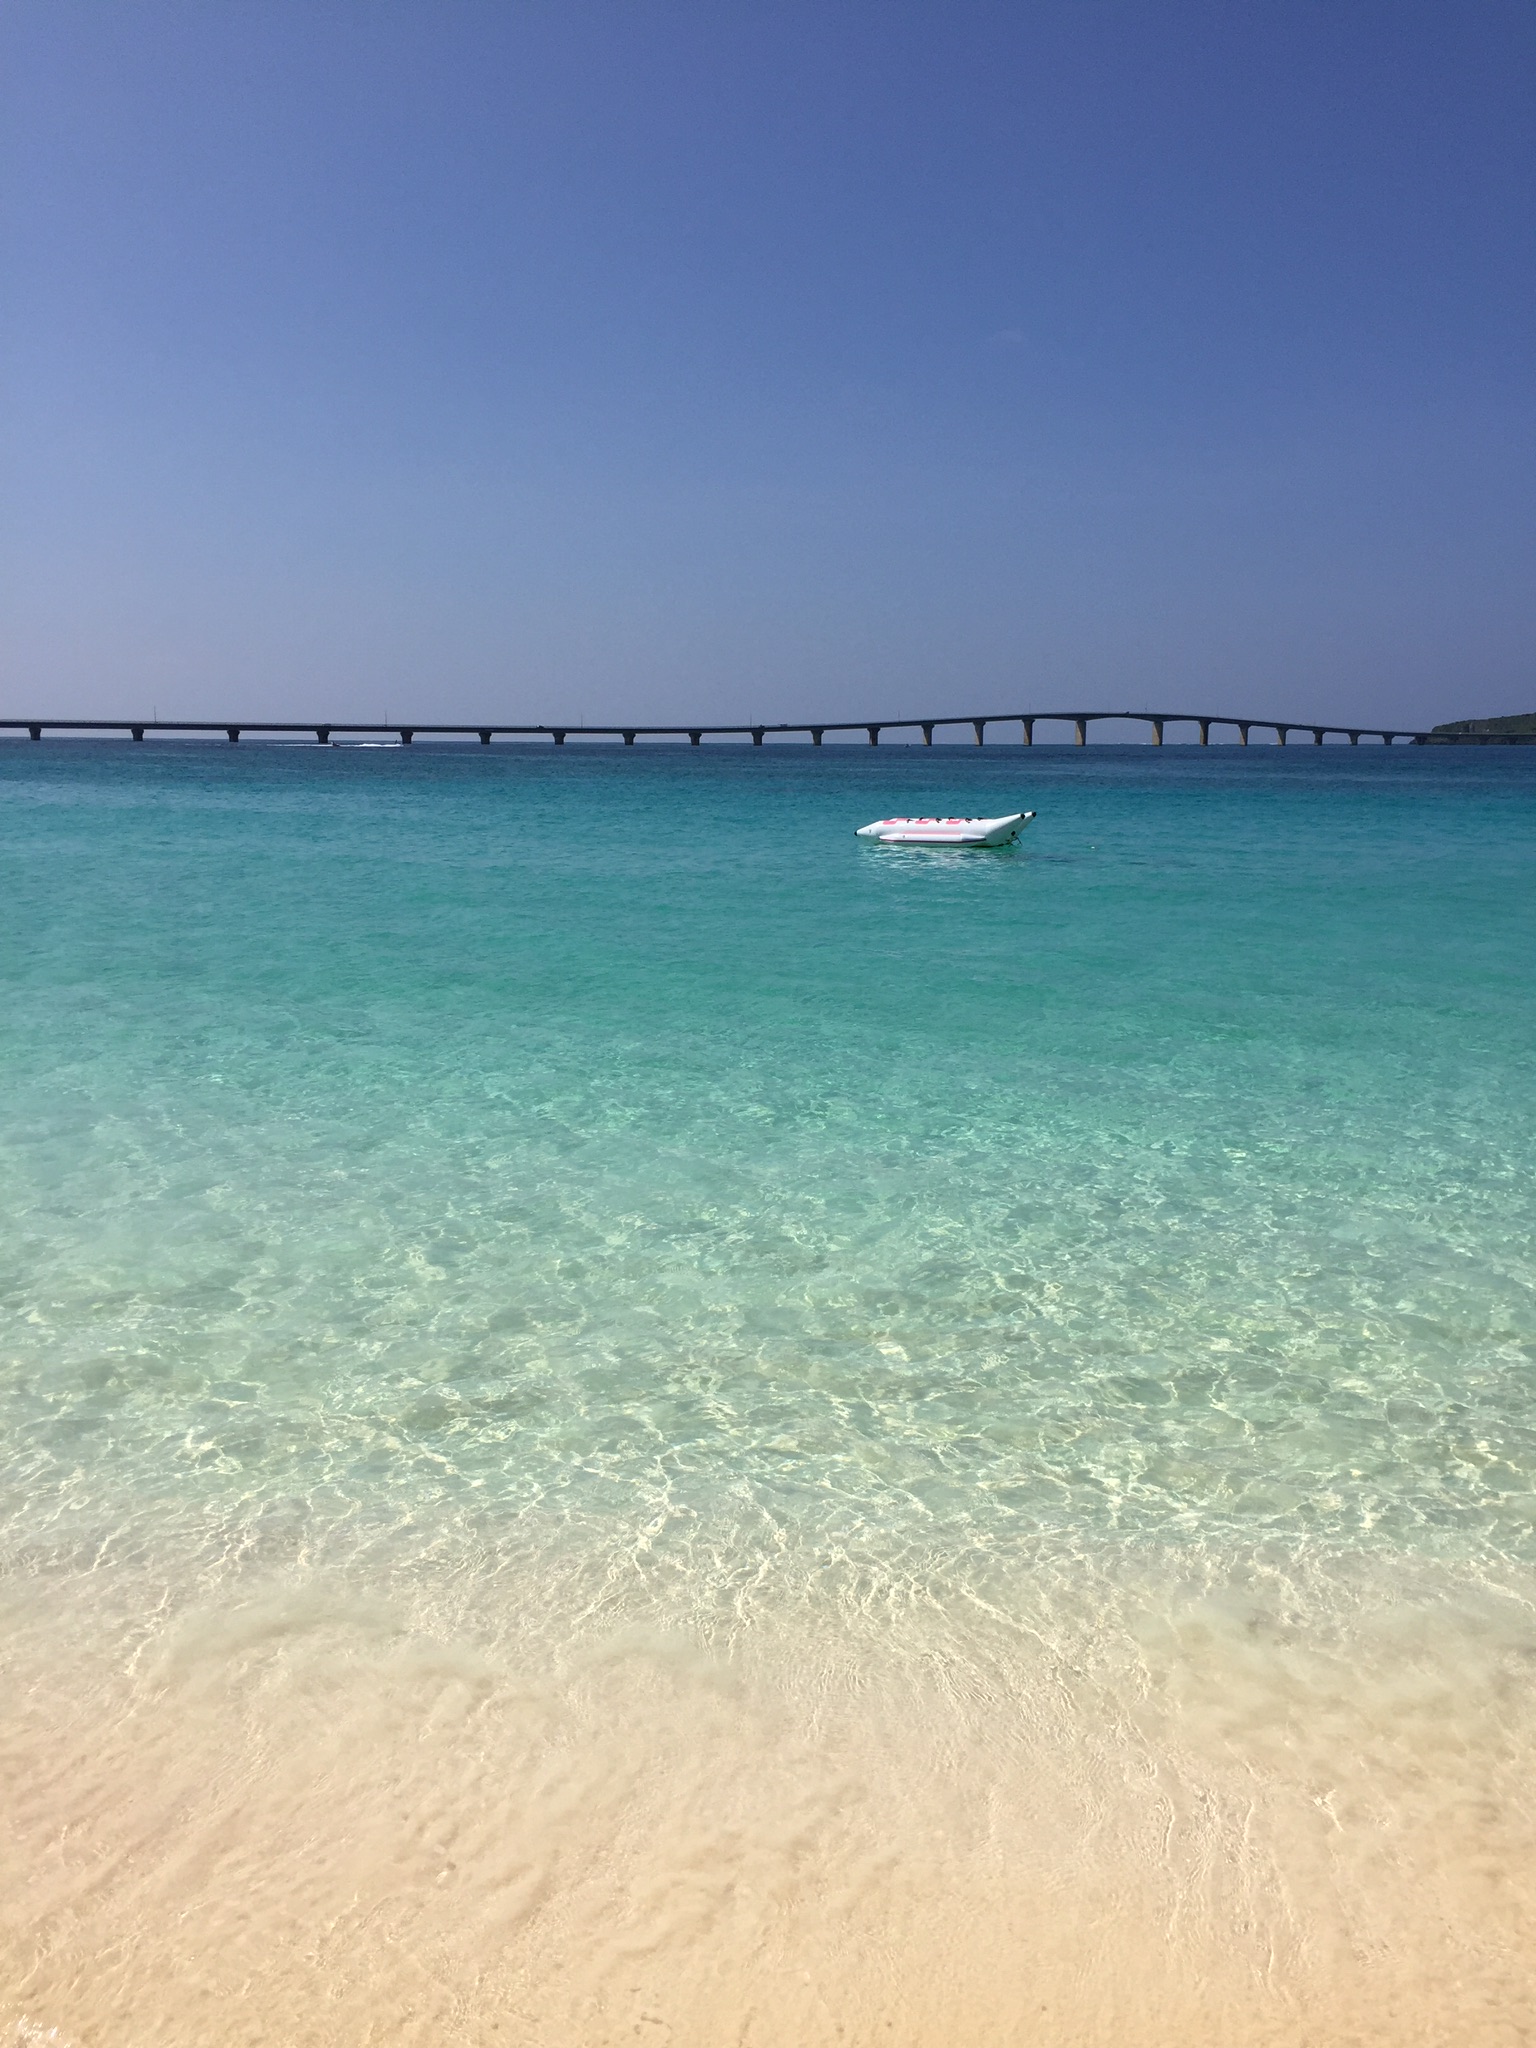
<point x="297" y="1815"/>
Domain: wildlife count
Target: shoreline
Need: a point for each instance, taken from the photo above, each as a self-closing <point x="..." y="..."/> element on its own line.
<point x="296" y="1806"/>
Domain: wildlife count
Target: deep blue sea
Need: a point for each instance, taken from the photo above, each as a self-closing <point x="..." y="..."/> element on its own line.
<point x="556" y="1195"/>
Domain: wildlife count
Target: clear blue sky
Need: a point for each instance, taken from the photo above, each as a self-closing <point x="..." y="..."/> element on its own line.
<point x="475" y="358"/>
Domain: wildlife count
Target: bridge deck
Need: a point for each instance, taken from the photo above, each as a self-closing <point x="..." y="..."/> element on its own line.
<point x="1080" y="721"/>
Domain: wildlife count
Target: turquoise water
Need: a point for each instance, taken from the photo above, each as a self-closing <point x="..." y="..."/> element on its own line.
<point x="625" y="1417"/>
<point x="602" y="1163"/>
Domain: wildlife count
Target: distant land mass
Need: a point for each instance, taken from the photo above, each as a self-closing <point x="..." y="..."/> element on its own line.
<point x="1519" y="728"/>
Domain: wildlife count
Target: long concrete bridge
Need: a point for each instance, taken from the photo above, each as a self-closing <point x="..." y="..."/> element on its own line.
<point x="1026" y="721"/>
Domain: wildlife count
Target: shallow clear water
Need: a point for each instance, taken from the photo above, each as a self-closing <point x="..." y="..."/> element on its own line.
<point x="597" y="1187"/>
<point x="450" y="1136"/>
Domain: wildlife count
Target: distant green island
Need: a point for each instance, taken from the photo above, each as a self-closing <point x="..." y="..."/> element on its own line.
<point x="1487" y="732"/>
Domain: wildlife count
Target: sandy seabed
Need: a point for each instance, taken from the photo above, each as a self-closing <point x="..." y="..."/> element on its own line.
<point x="297" y="1815"/>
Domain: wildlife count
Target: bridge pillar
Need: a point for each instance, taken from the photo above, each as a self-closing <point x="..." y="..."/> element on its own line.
<point x="1082" y="731"/>
<point x="757" y="735"/>
<point x="1205" y="732"/>
<point x="1354" y="739"/>
<point x="1280" y="733"/>
<point x="485" y="736"/>
<point x="816" y="733"/>
<point x="234" y="734"/>
<point x="928" y="735"/>
<point x="1029" y="731"/>
<point x="1242" y="733"/>
<point x="980" y="726"/>
<point x="1317" y="735"/>
<point x="695" y="736"/>
<point x="1386" y="739"/>
<point x="1157" y="732"/>
<point x="34" y="732"/>
<point x="874" y="734"/>
<point x="407" y="735"/>
<point x="629" y="739"/>
<point x="559" y="737"/>
<point x="322" y="735"/>
<point x="137" y="731"/>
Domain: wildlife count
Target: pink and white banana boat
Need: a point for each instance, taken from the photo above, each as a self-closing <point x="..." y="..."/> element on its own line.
<point x="946" y="831"/>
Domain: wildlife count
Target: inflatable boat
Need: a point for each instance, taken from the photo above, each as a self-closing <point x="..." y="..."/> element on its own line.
<point x="946" y="831"/>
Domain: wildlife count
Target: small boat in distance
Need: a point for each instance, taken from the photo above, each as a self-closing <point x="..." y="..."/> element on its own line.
<point x="946" y="831"/>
